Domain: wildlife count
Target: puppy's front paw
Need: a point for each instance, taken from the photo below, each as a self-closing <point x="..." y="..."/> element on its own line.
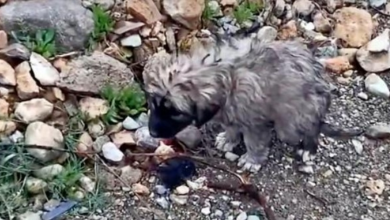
<point x="223" y="144"/>
<point x="250" y="163"/>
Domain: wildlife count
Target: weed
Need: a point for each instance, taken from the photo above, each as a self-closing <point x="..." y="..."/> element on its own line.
<point x="42" y="42"/>
<point x="103" y="24"/>
<point x="246" y="11"/>
<point x="208" y="13"/>
<point x="127" y="101"/>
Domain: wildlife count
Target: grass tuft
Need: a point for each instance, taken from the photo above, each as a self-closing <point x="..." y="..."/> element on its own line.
<point x="103" y="24"/>
<point x="42" y="42"/>
<point x="247" y="10"/>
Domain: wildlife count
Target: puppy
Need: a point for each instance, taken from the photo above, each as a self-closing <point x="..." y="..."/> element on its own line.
<point x="252" y="88"/>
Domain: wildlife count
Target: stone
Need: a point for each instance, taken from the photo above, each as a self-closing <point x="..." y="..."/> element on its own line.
<point x="39" y="133"/>
<point x="91" y="73"/>
<point x="122" y="27"/>
<point x="7" y="74"/>
<point x="206" y="210"/>
<point x="242" y="216"/>
<point x="377" y="3"/>
<point x="37" y="109"/>
<point x="358" y="146"/>
<point x="331" y="5"/>
<point x="322" y="24"/>
<point x="130" y="175"/>
<point x="93" y="107"/>
<point x="7" y="127"/>
<point x="378" y="131"/>
<point x="87" y="184"/>
<point x="163" y="152"/>
<point x="49" y="172"/>
<point x="356" y="21"/>
<point x="104" y="4"/>
<point x="182" y="190"/>
<point x="26" y="87"/>
<point x="99" y="142"/>
<point x="267" y="34"/>
<point x="140" y="189"/>
<point x="338" y="64"/>
<point x="71" y="21"/>
<point x="279" y="7"/>
<point x="376" y="86"/>
<point x="84" y="143"/>
<point x="142" y="119"/>
<point x="4" y="108"/>
<point x="231" y="156"/>
<point x="303" y="7"/>
<point x="29" y="216"/>
<point x="178" y="199"/>
<point x="130" y="124"/>
<point x="186" y="12"/>
<point x="131" y="41"/>
<point x="381" y="43"/>
<point x="35" y="185"/>
<point x="122" y="137"/>
<point x="96" y="128"/>
<point x="112" y="153"/>
<point x="143" y="138"/>
<point x="191" y="137"/>
<point x="348" y="52"/>
<point x="3" y="39"/>
<point x="43" y="71"/>
<point x="375" y="57"/>
<point x="16" y="50"/>
<point x="288" y="30"/>
<point x="143" y="10"/>
<point x="375" y="187"/>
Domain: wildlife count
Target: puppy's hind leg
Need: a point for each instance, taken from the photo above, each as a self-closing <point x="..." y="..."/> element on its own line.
<point x="227" y="140"/>
<point x="257" y="143"/>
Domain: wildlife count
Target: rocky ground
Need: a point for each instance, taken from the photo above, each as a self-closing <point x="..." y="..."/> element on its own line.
<point x="72" y="113"/>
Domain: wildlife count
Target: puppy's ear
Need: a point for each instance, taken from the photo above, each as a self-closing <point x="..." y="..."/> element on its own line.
<point x="204" y="114"/>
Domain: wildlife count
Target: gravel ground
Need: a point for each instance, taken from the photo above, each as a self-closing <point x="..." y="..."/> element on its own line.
<point x="335" y="191"/>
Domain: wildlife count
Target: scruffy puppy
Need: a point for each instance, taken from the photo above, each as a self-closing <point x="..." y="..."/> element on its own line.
<point x="252" y="88"/>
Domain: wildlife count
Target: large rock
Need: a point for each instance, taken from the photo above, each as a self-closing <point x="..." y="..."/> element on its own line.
<point x="354" y="26"/>
<point x="374" y="56"/>
<point x="37" y="109"/>
<point x="41" y="134"/>
<point x="144" y="10"/>
<point x="89" y="74"/>
<point x="73" y="23"/>
<point x="185" y="12"/>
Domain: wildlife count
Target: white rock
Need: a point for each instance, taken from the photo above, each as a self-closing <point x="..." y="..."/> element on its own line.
<point x="111" y="152"/>
<point x="7" y="127"/>
<point x="358" y="146"/>
<point x="132" y="41"/>
<point x="182" y="190"/>
<point x="376" y="86"/>
<point x="49" y="172"/>
<point x="93" y="107"/>
<point x="179" y="199"/>
<point x="43" y="71"/>
<point x="267" y="34"/>
<point x="29" y="216"/>
<point x="7" y="74"/>
<point x="39" y="133"/>
<point x="253" y="217"/>
<point x="35" y="185"/>
<point x="130" y="124"/>
<point x="378" y="131"/>
<point x="306" y="169"/>
<point x="303" y="7"/>
<point x="4" y="108"/>
<point x="96" y="128"/>
<point x="231" y="156"/>
<point x="161" y="201"/>
<point x="26" y="86"/>
<point x="34" y="110"/>
<point x="242" y="216"/>
<point x="122" y="137"/>
<point x="87" y="184"/>
<point x="17" y="137"/>
<point x="381" y="43"/>
<point x="206" y="211"/>
<point x="363" y="95"/>
<point x="377" y="3"/>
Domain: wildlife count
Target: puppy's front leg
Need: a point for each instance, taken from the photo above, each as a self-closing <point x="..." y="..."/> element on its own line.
<point x="257" y="142"/>
<point x="227" y="140"/>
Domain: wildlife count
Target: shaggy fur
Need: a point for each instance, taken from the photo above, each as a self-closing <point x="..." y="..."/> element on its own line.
<point x="251" y="88"/>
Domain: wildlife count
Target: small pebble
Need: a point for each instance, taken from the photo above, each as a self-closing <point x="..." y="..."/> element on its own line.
<point x="206" y="211"/>
<point x="130" y="124"/>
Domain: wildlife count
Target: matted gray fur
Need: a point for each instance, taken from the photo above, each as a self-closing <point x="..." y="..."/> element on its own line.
<point x="251" y="87"/>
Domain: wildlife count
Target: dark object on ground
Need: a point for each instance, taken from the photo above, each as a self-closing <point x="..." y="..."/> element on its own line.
<point x="174" y="171"/>
<point x="59" y="210"/>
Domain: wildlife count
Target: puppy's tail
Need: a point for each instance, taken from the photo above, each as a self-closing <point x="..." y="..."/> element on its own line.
<point x="340" y="133"/>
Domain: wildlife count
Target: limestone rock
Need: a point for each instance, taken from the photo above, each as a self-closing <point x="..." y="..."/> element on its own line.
<point x="34" y="110"/>
<point x="39" y="133"/>
<point x="354" y="26"/>
<point x="144" y="10"/>
<point x="93" y="107"/>
<point x="376" y="86"/>
<point x="49" y="172"/>
<point x="7" y="74"/>
<point x="72" y="22"/>
<point x="43" y="71"/>
<point x="26" y="87"/>
<point x="185" y="12"/>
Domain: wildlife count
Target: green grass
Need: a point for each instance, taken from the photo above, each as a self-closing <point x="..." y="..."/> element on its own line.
<point x="41" y="42"/>
<point x="246" y="11"/>
<point x="123" y="102"/>
<point x="103" y="24"/>
<point x="208" y="13"/>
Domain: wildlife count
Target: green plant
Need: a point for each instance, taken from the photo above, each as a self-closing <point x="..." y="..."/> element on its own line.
<point x="246" y="11"/>
<point x="103" y="24"/>
<point x="208" y="13"/>
<point x="127" y="101"/>
<point x="42" y="42"/>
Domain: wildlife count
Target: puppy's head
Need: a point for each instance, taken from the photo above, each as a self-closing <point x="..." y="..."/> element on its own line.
<point x="180" y="93"/>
